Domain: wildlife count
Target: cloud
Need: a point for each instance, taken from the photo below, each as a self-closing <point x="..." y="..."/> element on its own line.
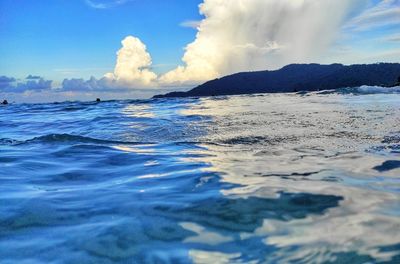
<point x="32" y="77"/>
<point x="241" y="35"/>
<point x="248" y="35"/>
<point x="81" y="85"/>
<point x="238" y="35"/>
<point x="11" y="85"/>
<point x="104" y="4"/>
<point x="384" y="13"/>
<point x="34" y="85"/>
<point x="93" y="85"/>
<point x="235" y="36"/>
<point x="191" y="23"/>
<point x="6" y="82"/>
<point x="132" y="69"/>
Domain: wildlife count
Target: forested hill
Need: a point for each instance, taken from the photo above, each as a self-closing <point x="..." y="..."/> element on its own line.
<point x="296" y="78"/>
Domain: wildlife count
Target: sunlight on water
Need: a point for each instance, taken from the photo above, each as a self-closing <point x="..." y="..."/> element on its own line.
<point x="281" y="178"/>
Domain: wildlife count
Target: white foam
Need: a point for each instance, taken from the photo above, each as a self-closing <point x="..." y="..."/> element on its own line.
<point x="365" y="89"/>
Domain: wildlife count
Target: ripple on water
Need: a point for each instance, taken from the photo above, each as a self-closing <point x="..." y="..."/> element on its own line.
<point x="306" y="178"/>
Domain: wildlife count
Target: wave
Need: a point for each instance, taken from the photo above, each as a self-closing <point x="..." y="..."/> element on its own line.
<point x="72" y="109"/>
<point x="377" y="89"/>
<point x="363" y="90"/>
<point x="66" y="138"/>
<point x="9" y="141"/>
<point x="254" y="140"/>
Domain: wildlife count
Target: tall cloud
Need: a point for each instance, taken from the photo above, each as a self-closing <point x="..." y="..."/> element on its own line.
<point x="242" y="35"/>
<point x="133" y="65"/>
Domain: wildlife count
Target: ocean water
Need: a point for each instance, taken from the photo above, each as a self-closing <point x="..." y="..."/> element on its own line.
<point x="272" y="178"/>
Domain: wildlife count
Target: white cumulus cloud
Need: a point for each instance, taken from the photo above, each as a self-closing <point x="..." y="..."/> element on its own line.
<point x="247" y="35"/>
<point x="133" y="65"/>
<point x="243" y="35"/>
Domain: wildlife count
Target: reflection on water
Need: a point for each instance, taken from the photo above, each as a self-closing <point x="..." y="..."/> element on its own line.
<point x="241" y="179"/>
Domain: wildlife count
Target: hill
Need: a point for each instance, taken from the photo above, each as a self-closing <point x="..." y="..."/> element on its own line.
<point x="296" y="78"/>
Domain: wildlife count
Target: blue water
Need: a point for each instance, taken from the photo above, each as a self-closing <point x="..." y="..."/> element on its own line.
<point x="281" y="178"/>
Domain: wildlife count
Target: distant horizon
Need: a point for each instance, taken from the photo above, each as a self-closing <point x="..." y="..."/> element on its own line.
<point x="126" y="95"/>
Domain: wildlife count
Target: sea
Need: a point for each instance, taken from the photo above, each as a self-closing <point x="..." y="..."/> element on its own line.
<point x="265" y="178"/>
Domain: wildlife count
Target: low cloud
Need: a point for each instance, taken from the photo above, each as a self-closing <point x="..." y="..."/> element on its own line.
<point x="6" y="82"/>
<point x="12" y="85"/>
<point x="92" y="85"/>
<point x="32" y="77"/>
<point x="33" y="85"/>
<point x="81" y="85"/>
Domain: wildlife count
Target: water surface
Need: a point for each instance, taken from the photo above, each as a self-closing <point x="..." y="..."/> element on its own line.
<point x="278" y="178"/>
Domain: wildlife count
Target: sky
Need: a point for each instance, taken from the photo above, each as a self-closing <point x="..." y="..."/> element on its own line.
<point x="56" y="50"/>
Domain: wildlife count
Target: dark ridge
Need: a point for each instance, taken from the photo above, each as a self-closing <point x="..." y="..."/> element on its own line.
<point x="298" y="78"/>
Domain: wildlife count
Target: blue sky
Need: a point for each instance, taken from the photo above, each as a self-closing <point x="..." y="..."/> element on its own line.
<point x="71" y="45"/>
<point x="68" y="38"/>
